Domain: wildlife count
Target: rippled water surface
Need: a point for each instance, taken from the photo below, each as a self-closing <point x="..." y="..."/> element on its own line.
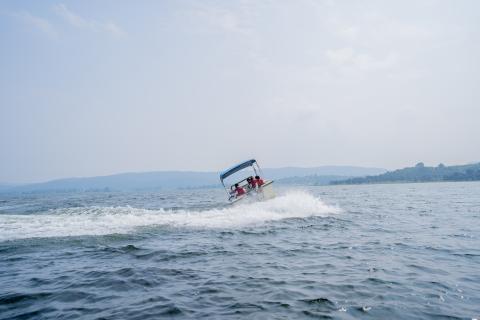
<point x="405" y="251"/>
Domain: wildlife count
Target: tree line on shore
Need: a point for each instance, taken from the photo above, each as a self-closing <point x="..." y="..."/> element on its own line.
<point x="421" y="173"/>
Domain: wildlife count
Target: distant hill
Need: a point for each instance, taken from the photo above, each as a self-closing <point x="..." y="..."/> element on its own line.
<point x="421" y="173"/>
<point x="345" y="171"/>
<point x="311" y="180"/>
<point x="176" y="179"/>
<point x="125" y="182"/>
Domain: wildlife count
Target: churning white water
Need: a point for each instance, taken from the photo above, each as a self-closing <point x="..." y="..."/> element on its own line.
<point x="81" y="221"/>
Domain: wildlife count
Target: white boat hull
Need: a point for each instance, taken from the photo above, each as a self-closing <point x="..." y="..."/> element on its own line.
<point x="265" y="192"/>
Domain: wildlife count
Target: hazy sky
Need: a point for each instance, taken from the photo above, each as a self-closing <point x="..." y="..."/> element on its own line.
<point x="100" y="87"/>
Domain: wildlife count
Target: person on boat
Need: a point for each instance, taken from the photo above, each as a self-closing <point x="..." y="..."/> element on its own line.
<point x="259" y="182"/>
<point x="239" y="191"/>
<point x="251" y="183"/>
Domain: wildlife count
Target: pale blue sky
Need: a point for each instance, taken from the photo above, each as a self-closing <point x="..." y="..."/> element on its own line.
<point x="100" y="87"/>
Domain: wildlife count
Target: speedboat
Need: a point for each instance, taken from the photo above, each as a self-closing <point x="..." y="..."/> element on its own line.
<point x="246" y="171"/>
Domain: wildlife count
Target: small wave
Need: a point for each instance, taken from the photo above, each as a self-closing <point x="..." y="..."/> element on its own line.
<point x="66" y="222"/>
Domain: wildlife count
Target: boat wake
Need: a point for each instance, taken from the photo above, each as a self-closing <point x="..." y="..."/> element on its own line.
<point x="85" y="221"/>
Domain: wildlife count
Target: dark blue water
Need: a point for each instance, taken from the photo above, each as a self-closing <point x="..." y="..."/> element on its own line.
<point x="407" y="251"/>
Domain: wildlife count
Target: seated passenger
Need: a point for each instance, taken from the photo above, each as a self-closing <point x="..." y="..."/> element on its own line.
<point x="251" y="183"/>
<point x="259" y="182"/>
<point x="239" y="191"/>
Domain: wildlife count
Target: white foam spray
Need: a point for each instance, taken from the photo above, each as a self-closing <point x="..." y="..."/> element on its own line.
<point x="113" y="220"/>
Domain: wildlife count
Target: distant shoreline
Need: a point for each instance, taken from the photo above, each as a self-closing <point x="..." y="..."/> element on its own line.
<point x="167" y="180"/>
<point x="290" y="176"/>
<point x="419" y="174"/>
<point x="397" y="182"/>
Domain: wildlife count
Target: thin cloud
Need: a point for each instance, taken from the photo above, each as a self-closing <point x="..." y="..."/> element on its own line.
<point x="114" y="29"/>
<point x="38" y="23"/>
<point x="222" y="19"/>
<point x="348" y="58"/>
<point x="80" y="22"/>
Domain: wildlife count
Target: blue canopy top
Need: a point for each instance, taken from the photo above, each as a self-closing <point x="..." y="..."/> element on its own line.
<point x="236" y="168"/>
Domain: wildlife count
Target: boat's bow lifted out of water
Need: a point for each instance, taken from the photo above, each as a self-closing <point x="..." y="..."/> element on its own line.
<point x="251" y="184"/>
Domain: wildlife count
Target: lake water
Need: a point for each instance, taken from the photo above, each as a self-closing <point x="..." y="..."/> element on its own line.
<point x="399" y="251"/>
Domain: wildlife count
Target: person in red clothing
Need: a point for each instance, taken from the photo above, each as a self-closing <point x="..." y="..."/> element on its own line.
<point x="259" y="182"/>
<point x="251" y="183"/>
<point x="239" y="191"/>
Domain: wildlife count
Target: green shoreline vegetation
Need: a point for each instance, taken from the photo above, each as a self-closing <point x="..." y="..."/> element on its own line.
<point x="420" y="173"/>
